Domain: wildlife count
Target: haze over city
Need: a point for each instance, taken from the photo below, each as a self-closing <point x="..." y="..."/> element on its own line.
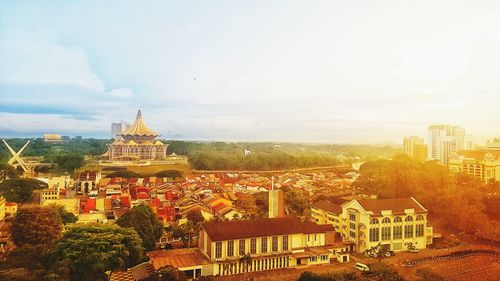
<point x="322" y="71"/>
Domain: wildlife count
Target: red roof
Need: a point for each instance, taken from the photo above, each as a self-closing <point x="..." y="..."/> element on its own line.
<point x="88" y="175"/>
<point x="232" y="230"/>
<point x="89" y="205"/>
<point x="125" y="201"/>
<point x="9" y="204"/>
<point x="397" y="205"/>
<point x="143" y="195"/>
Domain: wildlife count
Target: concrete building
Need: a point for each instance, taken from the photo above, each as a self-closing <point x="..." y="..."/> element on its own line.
<point x="54" y="138"/>
<point x="396" y="224"/>
<point x="271" y="243"/>
<point x="118" y="128"/>
<point x="48" y="194"/>
<point x="482" y="164"/>
<point x="443" y="140"/>
<point x="409" y="144"/>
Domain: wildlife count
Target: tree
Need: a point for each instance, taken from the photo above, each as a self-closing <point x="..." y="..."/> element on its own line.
<point x="145" y="222"/>
<point x="90" y="250"/>
<point x="66" y="217"/>
<point x="35" y="226"/>
<point x="8" y="171"/>
<point x="174" y="174"/>
<point x="169" y="273"/>
<point x="195" y="216"/>
<point x="123" y="174"/>
<point x="20" y="190"/>
<point x="69" y="161"/>
<point x="246" y="261"/>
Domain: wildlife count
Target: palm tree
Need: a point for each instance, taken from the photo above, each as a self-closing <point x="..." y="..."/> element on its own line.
<point x="246" y="260"/>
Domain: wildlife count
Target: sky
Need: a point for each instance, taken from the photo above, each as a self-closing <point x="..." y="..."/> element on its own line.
<point x="300" y="71"/>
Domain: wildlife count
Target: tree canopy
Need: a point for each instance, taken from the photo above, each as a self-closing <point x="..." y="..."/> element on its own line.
<point x="20" y="190"/>
<point x="169" y="174"/>
<point x="461" y="197"/>
<point x="90" y="250"/>
<point x="36" y="225"/>
<point x="145" y="222"/>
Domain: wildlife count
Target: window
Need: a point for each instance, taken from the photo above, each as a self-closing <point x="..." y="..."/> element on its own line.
<point x="242" y="247"/>
<point x="285" y="243"/>
<point x="386" y="220"/>
<point x="324" y="257"/>
<point x="274" y="244"/>
<point x="420" y="218"/>
<point x="263" y="244"/>
<point x="397" y="219"/>
<point x="374" y="234"/>
<point x="352" y="234"/>
<point x="409" y="218"/>
<point x="253" y="245"/>
<point x="398" y="232"/>
<point x="314" y="258"/>
<point x="386" y="233"/>
<point x="374" y="221"/>
<point x="230" y="248"/>
<point x="419" y="230"/>
<point x="352" y="225"/>
<point x="218" y="250"/>
<point x="352" y="217"/>
<point x="408" y="231"/>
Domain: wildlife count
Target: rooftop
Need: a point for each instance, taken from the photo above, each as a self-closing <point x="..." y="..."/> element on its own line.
<point x="397" y="205"/>
<point x="229" y="230"/>
<point x="327" y="206"/>
<point x="177" y="258"/>
<point x="139" y="128"/>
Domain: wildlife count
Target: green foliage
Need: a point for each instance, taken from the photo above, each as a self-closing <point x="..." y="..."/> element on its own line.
<point x="65" y="216"/>
<point x="381" y="271"/>
<point x="67" y="161"/>
<point x="333" y="276"/>
<point x="90" y="250"/>
<point x="195" y="216"/>
<point x="7" y="171"/>
<point x="296" y="200"/>
<point x="124" y="174"/>
<point x="461" y="197"/>
<point x="35" y="226"/>
<point x="174" y="174"/>
<point x="169" y="274"/>
<point x="20" y="190"/>
<point x="145" y="222"/>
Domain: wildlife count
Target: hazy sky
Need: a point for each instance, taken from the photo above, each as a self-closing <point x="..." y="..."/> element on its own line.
<point x="311" y="71"/>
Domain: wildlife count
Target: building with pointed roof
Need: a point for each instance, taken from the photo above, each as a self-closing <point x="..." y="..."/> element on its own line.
<point x="137" y="143"/>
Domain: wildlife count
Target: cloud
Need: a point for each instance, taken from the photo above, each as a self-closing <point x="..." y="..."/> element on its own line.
<point x="121" y="92"/>
<point x="35" y="57"/>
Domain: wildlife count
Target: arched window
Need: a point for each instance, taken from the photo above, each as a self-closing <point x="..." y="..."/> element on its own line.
<point x="374" y="221"/>
<point x="409" y="218"/>
<point x="386" y="220"/>
<point x="420" y="218"/>
<point x="397" y="219"/>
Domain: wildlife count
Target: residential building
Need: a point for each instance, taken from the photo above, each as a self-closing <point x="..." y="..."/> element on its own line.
<point x="118" y="128"/>
<point x="482" y="164"/>
<point x="409" y="144"/>
<point x="272" y="243"/>
<point x="395" y="224"/>
<point x="445" y="140"/>
<point x="48" y="194"/>
<point x="276" y="203"/>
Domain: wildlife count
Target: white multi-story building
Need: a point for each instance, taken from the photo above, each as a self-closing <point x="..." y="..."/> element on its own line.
<point x="117" y="128"/>
<point x="445" y="140"/>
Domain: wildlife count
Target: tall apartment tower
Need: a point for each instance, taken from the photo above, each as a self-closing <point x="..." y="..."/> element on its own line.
<point x="444" y="140"/>
<point x="276" y="202"/>
<point x="117" y="128"/>
<point x="409" y="144"/>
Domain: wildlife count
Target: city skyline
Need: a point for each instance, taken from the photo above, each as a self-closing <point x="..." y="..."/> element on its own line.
<point x="324" y="72"/>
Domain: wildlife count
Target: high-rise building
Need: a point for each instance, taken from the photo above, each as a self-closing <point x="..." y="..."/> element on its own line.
<point x="445" y="140"/>
<point x="409" y="144"/>
<point x="117" y="128"/>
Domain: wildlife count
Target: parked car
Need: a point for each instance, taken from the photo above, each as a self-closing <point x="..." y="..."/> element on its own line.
<point x="389" y="253"/>
<point x="361" y="267"/>
<point x="413" y="250"/>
